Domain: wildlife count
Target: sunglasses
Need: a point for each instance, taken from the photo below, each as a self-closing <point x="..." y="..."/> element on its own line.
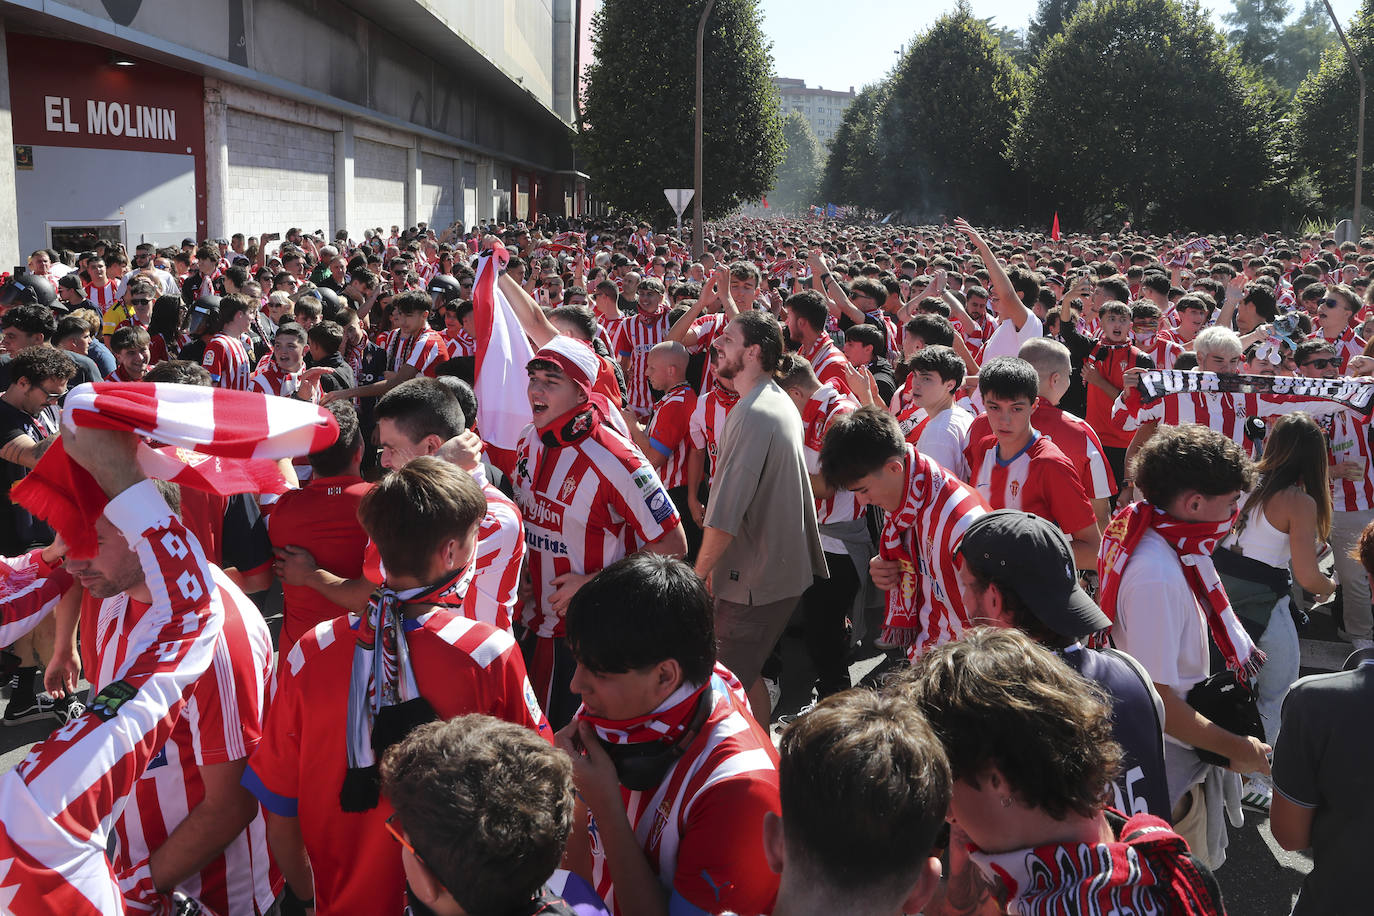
<point x="1332" y="303"/>
<point x="396" y="834"/>
<point x="1321" y="363"/>
<point x="140" y="301"/>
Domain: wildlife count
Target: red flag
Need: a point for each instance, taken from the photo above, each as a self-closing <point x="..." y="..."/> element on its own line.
<point x="765" y="203"/>
<point x="1054" y="229"/>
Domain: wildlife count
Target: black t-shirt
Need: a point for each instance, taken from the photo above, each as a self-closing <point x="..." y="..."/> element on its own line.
<point x="1075" y="399"/>
<point x="19" y="530"/>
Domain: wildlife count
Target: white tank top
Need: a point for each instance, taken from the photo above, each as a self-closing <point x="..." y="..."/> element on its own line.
<point x="1259" y="540"/>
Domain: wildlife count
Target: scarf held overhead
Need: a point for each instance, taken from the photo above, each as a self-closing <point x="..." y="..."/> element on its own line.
<point x="220" y="440"/>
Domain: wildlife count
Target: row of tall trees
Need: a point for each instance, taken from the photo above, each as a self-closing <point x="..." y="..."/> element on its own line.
<point x="1111" y="109"/>
<point x="1103" y="110"/>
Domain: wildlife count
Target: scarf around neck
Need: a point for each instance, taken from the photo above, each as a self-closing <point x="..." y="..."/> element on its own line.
<point x="902" y="625"/>
<point x="384" y="702"/>
<point x="1193" y="542"/>
<point x="1146" y="870"/>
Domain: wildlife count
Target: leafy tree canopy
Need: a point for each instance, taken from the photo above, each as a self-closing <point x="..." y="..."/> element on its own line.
<point x="639" y="106"/>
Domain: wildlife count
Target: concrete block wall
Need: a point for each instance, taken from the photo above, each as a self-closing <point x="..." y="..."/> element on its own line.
<point x="280" y="174"/>
<point x="438" y="191"/>
<point x="379" y="186"/>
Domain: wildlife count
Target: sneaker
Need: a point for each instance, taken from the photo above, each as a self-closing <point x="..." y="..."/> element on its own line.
<point x="1257" y="795"/>
<point x="774" y="690"/>
<point x="41" y="706"/>
<point x="68" y="708"/>
<point x="788" y="719"/>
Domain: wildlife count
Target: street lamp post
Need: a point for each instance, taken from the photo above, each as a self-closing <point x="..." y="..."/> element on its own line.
<point x="1359" y="137"/>
<point x="698" y="236"/>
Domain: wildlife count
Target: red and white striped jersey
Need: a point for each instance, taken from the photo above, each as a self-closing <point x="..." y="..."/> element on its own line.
<point x="221" y="723"/>
<point x="270" y="379"/>
<point x="823" y="408"/>
<point x="608" y="329"/>
<point x="884" y="321"/>
<point x="669" y="432"/>
<point x="494" y="595"/>
<point x="1347" y="439"/>
<point x="1347" y="345"/>
<point x="102" y="297"/>
<point x="698" y="829"/>
<point x="977" y="335"/>
<point x="461" y="666"/>
<point x="58" y="806"/>
<point x="707" y="328"/>
<point x="586" y="503"/>
<point x="460" y="343"/>
<point x="1222" y="411"/>
<point x="1163" y="350"/>
<point x="708" y="419"/>
<point x="1039" y="479"/>
<point x="228" y="362"/>
<point x="828" y="361"/>
<point x="425" y="351"/>
<point x="29" y="590"/>
<point x="635" y="337"/>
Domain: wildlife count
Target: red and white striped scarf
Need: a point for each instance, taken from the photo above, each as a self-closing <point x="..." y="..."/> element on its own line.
<point x="903" y="622"/>
<point x="231" y="426"/>
<point x="1147" y="870"/>
<point x="1194" y="543"/>
<point x="667" y="723"/>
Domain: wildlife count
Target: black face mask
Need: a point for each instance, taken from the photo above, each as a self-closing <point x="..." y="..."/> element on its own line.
<point x="641" y="767"/>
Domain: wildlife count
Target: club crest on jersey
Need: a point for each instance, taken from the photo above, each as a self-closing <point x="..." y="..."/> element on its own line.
<point x="106" y="705"/>
<point x="660" y="822"/>
<point x="1015" y="487"/>
<point x="566" y="493"/>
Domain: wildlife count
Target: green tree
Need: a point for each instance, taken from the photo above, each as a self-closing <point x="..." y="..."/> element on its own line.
<point x="1255" y="29"/>
<point x="850" y="175"/>
<point x="1321" y="127"/>
<point x="1138" y="109"/>
<point x="1049" y="20"/>
<point x="1012" y="42"/>
<point x="946" y="121"/>
<point x="1302" y="45"/>
<point x="638" y="109"/>
<point x="798" y="176"/>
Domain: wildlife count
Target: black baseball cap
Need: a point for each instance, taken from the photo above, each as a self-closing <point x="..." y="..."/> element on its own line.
<point x="1031" y="556"/>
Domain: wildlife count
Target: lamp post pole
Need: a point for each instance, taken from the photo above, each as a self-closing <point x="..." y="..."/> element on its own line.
<point x="698" y="235"/>
<point x="1359" y="137"/>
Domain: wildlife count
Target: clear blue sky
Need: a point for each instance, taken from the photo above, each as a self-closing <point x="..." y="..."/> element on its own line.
<point x="855" y="42"/>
